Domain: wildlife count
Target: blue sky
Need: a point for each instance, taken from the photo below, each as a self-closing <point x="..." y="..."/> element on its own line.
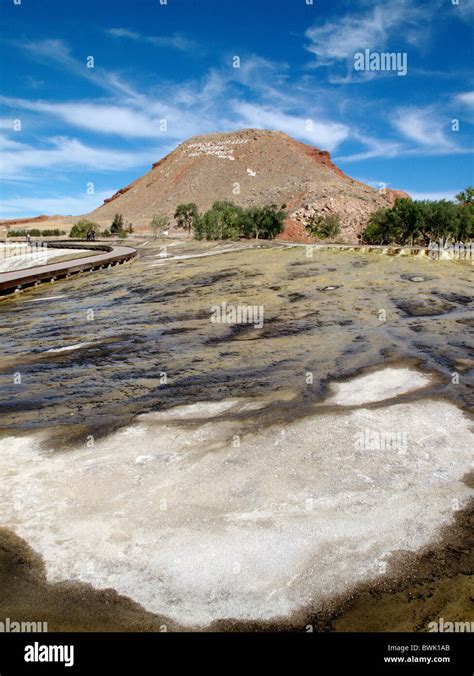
<point x="164" y="72"/>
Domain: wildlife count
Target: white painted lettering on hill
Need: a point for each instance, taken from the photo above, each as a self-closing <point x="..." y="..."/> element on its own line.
<point x="221" y="149"/>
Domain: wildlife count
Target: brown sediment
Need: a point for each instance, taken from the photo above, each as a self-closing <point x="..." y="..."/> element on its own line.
<point x="25" y="595"/>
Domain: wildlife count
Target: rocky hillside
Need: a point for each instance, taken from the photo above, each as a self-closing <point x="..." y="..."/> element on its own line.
<point x="249" y="167"/>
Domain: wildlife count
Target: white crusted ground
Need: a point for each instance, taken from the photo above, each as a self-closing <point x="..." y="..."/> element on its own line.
<point x="198" y="519"/>
<point x="20" y="256"/>
<point x="377" y="386"/>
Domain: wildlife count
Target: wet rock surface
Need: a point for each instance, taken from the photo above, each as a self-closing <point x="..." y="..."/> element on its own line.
<point x="139" y="322"/>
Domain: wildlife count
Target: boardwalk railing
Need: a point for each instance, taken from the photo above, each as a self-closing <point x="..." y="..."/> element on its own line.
<point x="106" y="255"/>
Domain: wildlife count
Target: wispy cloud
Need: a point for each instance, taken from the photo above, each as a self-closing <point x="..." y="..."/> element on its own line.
<point x="6" y="123"/>
<point x="67" y="154"/>
<point x="434" y="196"/>
<point x="340" y="38"/>
<point x="101" y="118"/>
<point x="175" y="41"/>
<point x="262" y="93"/>
<point x="424" y="126"/>
<point x="375" y="149"/>
<point x="197" y="107"/>
<point x="57" y="53"/>
<point x="36" y="205"/>
<point x="466" y="98"/>
<point x="325" y="134"/>
<point x="390" y="26"/>
<point x="422" y="132"/>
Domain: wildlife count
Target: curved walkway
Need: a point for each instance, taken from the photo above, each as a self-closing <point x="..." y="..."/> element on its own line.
<point x="107" y="256"/>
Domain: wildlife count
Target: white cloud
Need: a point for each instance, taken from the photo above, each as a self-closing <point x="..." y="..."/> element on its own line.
<point x="433" y="196"/>
<point x="326" y="135"/>
<point x="6" y="123"/>
<point x="175" y="41"/>
<point x="58" y="53"/>
<point x="19" y="159"/>
<point x="137" y="120"/>
<point x="30" y="206"/>
<point x="376" y="148"/>
<point x="423" y="126"/>
<point x="98" y="117"/>
<point x="256" y="95"/>
<point x="467" y="98"/>
<point x="341" y="38"/>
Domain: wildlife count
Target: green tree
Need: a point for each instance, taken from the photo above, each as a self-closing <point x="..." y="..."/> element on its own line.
<point x="82" y="228"/>
<point x="199" y="232"/>
<point x="158" y="223"/>
<point x="266" y="222"/>
<point x="224" y="220"/>
<point x="34" y="232"/>
<point x="378" y="229"/>
<point x="423" y="222"/>
<point x="466" y="196"/>
<point x="401" y="224"/>
<point x="465" y="212"/>
<point x="186" y="216"/>
<point x="438" y="221"/>
<point x="117" y="225"/>
<point x="464" y="230"/>
<point x="407" y="221"/>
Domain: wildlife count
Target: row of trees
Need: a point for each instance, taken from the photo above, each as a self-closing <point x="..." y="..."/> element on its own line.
<point x="225" y="220"/>
<point x="35" y="232"/>
<point x="423" y="222"/>
<point x="407" y="222"/>
<point x="86" y="229"/>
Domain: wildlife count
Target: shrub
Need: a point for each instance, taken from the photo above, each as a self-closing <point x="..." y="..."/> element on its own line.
<point x="378" y="230"/>
<point x="82" y="228"/>
<point x="324" y="226"/>
<point x="55" y="232"/>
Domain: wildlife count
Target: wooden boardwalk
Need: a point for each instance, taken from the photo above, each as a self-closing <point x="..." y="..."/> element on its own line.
<point x="106" y="256"/>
